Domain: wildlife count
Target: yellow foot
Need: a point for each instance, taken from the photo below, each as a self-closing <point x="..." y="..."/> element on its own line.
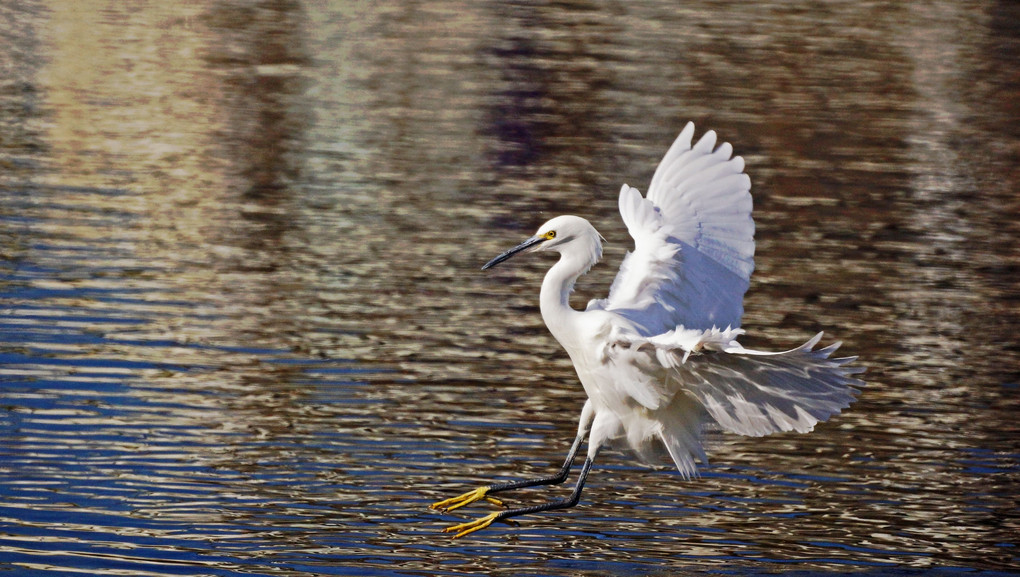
<point x="472" y="526"/>
<point x="466" y="499"/>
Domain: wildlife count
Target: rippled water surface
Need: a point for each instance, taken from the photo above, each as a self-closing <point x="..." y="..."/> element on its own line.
<point x="243" y="330"/>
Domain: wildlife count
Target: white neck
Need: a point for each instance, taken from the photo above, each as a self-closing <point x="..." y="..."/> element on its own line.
<point x="555" y="296"/>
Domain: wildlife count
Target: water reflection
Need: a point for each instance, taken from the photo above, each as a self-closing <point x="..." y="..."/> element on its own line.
<point x="243" y="328"/>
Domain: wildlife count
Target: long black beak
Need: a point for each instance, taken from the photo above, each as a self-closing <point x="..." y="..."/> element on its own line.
<point x="519" y="248"/>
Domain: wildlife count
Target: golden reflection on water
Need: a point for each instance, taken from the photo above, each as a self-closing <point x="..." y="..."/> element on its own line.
<point x="243" y="317"/>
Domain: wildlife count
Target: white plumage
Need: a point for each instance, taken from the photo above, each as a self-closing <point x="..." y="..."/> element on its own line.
<point x="658" y="358"/>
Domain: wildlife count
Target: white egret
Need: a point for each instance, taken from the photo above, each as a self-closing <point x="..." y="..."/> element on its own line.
<point x="659" y="358"/>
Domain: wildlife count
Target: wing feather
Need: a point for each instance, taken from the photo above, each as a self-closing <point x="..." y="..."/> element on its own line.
<point x="746" y="391"/>
<point x="755" y="394"/>
<point x="685" y="378"/>
<point x="679" y="147"/>
<point x="693" y="241"/>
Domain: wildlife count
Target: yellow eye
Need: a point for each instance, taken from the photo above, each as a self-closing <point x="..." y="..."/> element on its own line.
<point x="550" y="235"/>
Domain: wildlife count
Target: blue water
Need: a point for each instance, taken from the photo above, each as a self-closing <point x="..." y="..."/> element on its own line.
<point x="243" y="330"/>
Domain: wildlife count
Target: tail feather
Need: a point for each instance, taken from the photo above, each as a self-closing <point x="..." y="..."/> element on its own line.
<point x="681" y="434"/>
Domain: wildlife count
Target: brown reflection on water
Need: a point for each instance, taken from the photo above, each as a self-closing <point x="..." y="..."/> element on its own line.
<point x="195" y="115"/>
<point x="260" y="56"/>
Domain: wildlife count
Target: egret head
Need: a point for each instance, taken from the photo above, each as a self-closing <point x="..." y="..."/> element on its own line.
<point x="568" y="235"/>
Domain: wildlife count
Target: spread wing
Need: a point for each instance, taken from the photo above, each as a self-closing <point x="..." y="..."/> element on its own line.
<point x="693" y="241"/>
<point x="685" y="377"/>
<point x="758" y="393"/>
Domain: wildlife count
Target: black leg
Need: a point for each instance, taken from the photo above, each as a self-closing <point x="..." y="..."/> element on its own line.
<point x="550" y="480"/>
<point x="485" y="492"/>
<point x="483" y="522"/>
<point x="583" y="426"/>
